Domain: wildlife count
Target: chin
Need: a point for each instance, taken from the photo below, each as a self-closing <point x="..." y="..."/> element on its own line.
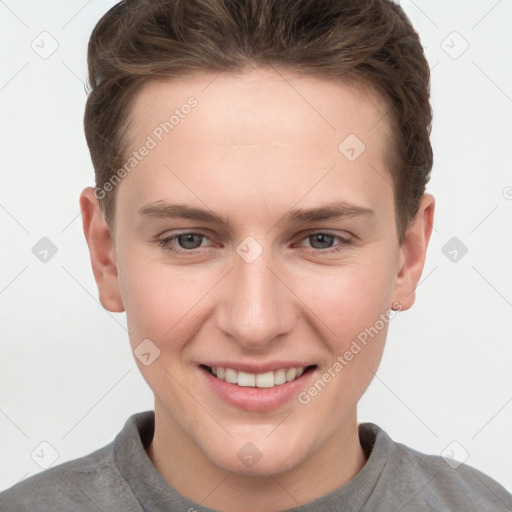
<point x="261" y="457"/>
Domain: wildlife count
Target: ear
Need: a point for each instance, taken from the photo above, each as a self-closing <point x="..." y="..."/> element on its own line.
<point x="412" y="253"/>
<point x="101" y="249"/>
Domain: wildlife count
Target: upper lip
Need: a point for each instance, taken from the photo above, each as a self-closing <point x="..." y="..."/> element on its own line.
<point x="258" y="368"/>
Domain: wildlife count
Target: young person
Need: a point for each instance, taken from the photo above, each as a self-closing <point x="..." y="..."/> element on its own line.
<point x="259" y="207"/>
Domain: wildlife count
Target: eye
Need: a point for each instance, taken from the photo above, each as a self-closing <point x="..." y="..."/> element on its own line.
<point x="321" y="242"/>
<point x="183" y="243"/>
<point x="190" y="240"/>
<point x="188" y="243"/>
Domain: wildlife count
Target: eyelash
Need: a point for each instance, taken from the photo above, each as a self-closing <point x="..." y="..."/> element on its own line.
<point x="164" y="243"/>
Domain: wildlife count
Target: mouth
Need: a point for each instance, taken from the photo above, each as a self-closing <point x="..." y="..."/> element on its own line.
<point x="269" y="379"/>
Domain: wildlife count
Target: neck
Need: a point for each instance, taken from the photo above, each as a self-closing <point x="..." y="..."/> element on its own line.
<point x="190" y="472"/>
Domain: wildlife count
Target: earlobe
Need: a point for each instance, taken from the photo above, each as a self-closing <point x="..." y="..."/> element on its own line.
<point x="102" y="252"/>
<point x="413" y="252"/>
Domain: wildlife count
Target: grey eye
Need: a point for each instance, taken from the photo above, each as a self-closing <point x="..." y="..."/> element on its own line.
<point x="323" y="240"/>
<point x="190" y="240"/>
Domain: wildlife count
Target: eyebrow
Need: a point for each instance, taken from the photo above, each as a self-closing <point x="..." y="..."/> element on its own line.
<point x="329" y="211"/>
<point x="159" y="210"/>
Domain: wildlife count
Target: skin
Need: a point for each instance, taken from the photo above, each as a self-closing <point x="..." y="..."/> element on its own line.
<point x="252" y="150"/>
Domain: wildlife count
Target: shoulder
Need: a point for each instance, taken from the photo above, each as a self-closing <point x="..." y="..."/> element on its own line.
<point x="429" y="482"/>
<point x="453" y="486"/>
<point x="92" y="482"/>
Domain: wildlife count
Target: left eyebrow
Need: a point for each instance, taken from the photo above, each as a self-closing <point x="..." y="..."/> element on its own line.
<point x="330" y="211"/>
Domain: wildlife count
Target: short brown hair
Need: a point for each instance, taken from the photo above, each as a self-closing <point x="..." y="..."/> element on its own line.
<point x="371" y="42"/>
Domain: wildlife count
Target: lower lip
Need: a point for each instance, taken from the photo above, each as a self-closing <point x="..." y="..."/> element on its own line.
<point x="255" y="399"/>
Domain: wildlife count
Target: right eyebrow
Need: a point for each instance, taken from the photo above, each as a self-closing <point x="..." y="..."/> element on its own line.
<point x="158" y="210"/>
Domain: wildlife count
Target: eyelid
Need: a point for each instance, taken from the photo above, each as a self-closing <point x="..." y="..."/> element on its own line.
<point x="332" y="232"/>
<point x="344" y="242"/>
<point x="170" y="234"/>
<point x="173" y="236"/>
<point x="345" y="235"/>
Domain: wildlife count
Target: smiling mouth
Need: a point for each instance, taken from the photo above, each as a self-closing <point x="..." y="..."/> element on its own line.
<point x="258" y="380"/>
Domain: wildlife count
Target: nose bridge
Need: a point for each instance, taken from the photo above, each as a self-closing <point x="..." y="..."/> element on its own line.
<point x="256" y="308"/>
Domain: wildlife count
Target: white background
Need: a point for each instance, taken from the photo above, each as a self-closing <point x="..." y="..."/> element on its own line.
<point x="67" y="375"/>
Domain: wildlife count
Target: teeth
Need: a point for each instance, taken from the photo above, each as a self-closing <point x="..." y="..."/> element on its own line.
<point x="291" y="373"/>
<point x="279" y="377"/>
<point x="246" y="379"/>
<point x="265" y="380"/>
<point x="260" y="380"/>
<point x="230" y="376"/>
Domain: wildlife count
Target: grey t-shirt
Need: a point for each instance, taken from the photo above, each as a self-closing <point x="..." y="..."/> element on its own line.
<point x="120" y="477"/>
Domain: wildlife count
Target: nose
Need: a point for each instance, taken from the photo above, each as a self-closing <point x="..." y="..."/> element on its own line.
<point x="257" y="308"/>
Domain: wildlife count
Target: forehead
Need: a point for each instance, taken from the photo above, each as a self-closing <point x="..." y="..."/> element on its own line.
<point x="259" y="131"/>
<point x="260" y="102"/>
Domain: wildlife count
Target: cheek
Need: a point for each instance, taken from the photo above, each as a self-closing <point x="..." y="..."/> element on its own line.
<point x="353" y="310"/>
<point x="161" y="302"/>
<point x="350" y="299"/>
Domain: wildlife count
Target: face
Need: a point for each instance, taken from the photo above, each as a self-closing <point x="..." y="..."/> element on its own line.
<point x="256" y="239"/>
